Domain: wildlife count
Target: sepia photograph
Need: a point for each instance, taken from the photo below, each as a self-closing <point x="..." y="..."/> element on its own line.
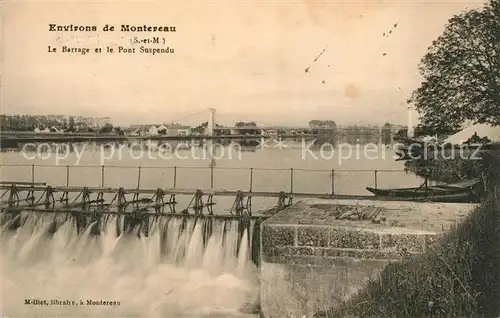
<point x="257" y="158"/>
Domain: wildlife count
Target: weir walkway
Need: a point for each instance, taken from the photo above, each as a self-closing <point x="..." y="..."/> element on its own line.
<point x="44" y="196"/>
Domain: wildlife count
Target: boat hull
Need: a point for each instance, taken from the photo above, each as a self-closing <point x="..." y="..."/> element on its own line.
<point x="463" y="191"/>
<point x="415" y="192"/>
<point x="455" y="197"/>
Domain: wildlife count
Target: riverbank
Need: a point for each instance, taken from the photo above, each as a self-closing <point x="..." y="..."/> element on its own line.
<point x="459" y="276"/>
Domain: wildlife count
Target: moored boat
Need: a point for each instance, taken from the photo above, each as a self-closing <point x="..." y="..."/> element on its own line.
<point x="453" y="192"/>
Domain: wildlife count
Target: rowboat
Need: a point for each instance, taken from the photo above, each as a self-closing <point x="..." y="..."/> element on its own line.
<point x="452" y="192"/>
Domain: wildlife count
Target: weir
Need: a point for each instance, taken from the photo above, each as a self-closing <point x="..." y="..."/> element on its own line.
<point x="181" y="241"/>
<point x="133" y="211"/>
<point x="133" y="231"/>
<point x="110" y="258"/>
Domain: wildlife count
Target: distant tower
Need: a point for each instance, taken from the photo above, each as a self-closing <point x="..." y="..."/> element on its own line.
<point x="411" y="128"/>
<point x="211" y="122"/>
<point x="211" y="132"/>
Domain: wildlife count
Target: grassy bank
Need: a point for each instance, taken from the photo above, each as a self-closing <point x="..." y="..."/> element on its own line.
<point x="458" y="277"/>
<point x="453" y="170"/>
<point x="445" y="170"/>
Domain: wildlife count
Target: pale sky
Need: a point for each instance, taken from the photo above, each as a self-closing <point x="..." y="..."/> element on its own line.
<point x="247" y="59"/>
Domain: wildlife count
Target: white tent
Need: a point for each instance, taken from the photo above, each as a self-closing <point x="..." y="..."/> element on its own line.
<point x="482" y="130"/>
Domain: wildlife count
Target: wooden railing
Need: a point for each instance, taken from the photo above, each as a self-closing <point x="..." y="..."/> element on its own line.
<point x="292" y="180"/>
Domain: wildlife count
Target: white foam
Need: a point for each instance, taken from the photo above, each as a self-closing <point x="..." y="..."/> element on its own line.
<point x="150" y="278"/>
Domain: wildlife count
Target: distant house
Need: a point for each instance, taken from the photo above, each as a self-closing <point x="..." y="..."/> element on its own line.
<point x="50" y="129"/>
<point x="178" y="130"/>
<point x="100" y="121"/>
<point x="138" y="130"/>
<point x="153" y="131"/>
<point x="272" y="132"/>
<point x="162" y="129"/>
<point x="82" y="127"/>
<point x="269" y="132"/>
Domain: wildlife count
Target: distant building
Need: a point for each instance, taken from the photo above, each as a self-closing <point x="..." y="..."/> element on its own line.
<point x="163" y="129"/>
<point x="153" y="131"/>
<point x="50" y="129"/>
<point x="322" y="124"/>
<point x="178" y="130"/>
<point x="102" y="121"/>
<point x="269" y="132"/>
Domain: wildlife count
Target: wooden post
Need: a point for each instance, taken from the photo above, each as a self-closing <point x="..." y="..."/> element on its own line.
<point x="139" y="177"/>
<point x="67" y="175"/>
<point x="175" y="176"/>
<point x="211" y="177"/>
<point x="102" y="176"/>
<point x="426" y="183"/>
<point x="376" y="179"/>
<point x="291" y="180"/>
<point x="33" y="173"/>
<point x="333" y="182"/>
<point x="251" y="179"/>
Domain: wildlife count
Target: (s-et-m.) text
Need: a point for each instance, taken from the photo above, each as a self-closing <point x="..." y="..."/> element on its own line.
<point x="150" y="40"/>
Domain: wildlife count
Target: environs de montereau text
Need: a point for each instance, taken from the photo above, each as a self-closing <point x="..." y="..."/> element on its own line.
<point x="111" y="28"/>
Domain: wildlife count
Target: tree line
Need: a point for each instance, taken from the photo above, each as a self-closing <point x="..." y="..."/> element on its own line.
<point x="32" y="122"/>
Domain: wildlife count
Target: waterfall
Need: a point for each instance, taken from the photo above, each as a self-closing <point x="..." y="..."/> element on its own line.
<point x="173" y="267"/>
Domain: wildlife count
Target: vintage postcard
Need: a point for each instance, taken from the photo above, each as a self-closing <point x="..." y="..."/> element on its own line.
<point x="257" y="158"/>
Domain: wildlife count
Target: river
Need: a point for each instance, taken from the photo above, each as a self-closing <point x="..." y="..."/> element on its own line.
<point x="147" y="276"/>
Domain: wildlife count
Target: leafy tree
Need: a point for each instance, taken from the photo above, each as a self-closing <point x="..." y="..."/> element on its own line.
<point x="249" y="128"/>
<point x="119" y="131"/>
<point x="202" y="128"/>
<point x="162" y="131"/>
<point x="71" y="124"/>
<point x="106" y="129"/>
<point x="4" y="123"/>
<point x="423" y="130"/>
<point x="326" y="131"/>
<point x="401" y="135"/>
<point x="462" y="71"/>
<point x="322" y="123"/>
